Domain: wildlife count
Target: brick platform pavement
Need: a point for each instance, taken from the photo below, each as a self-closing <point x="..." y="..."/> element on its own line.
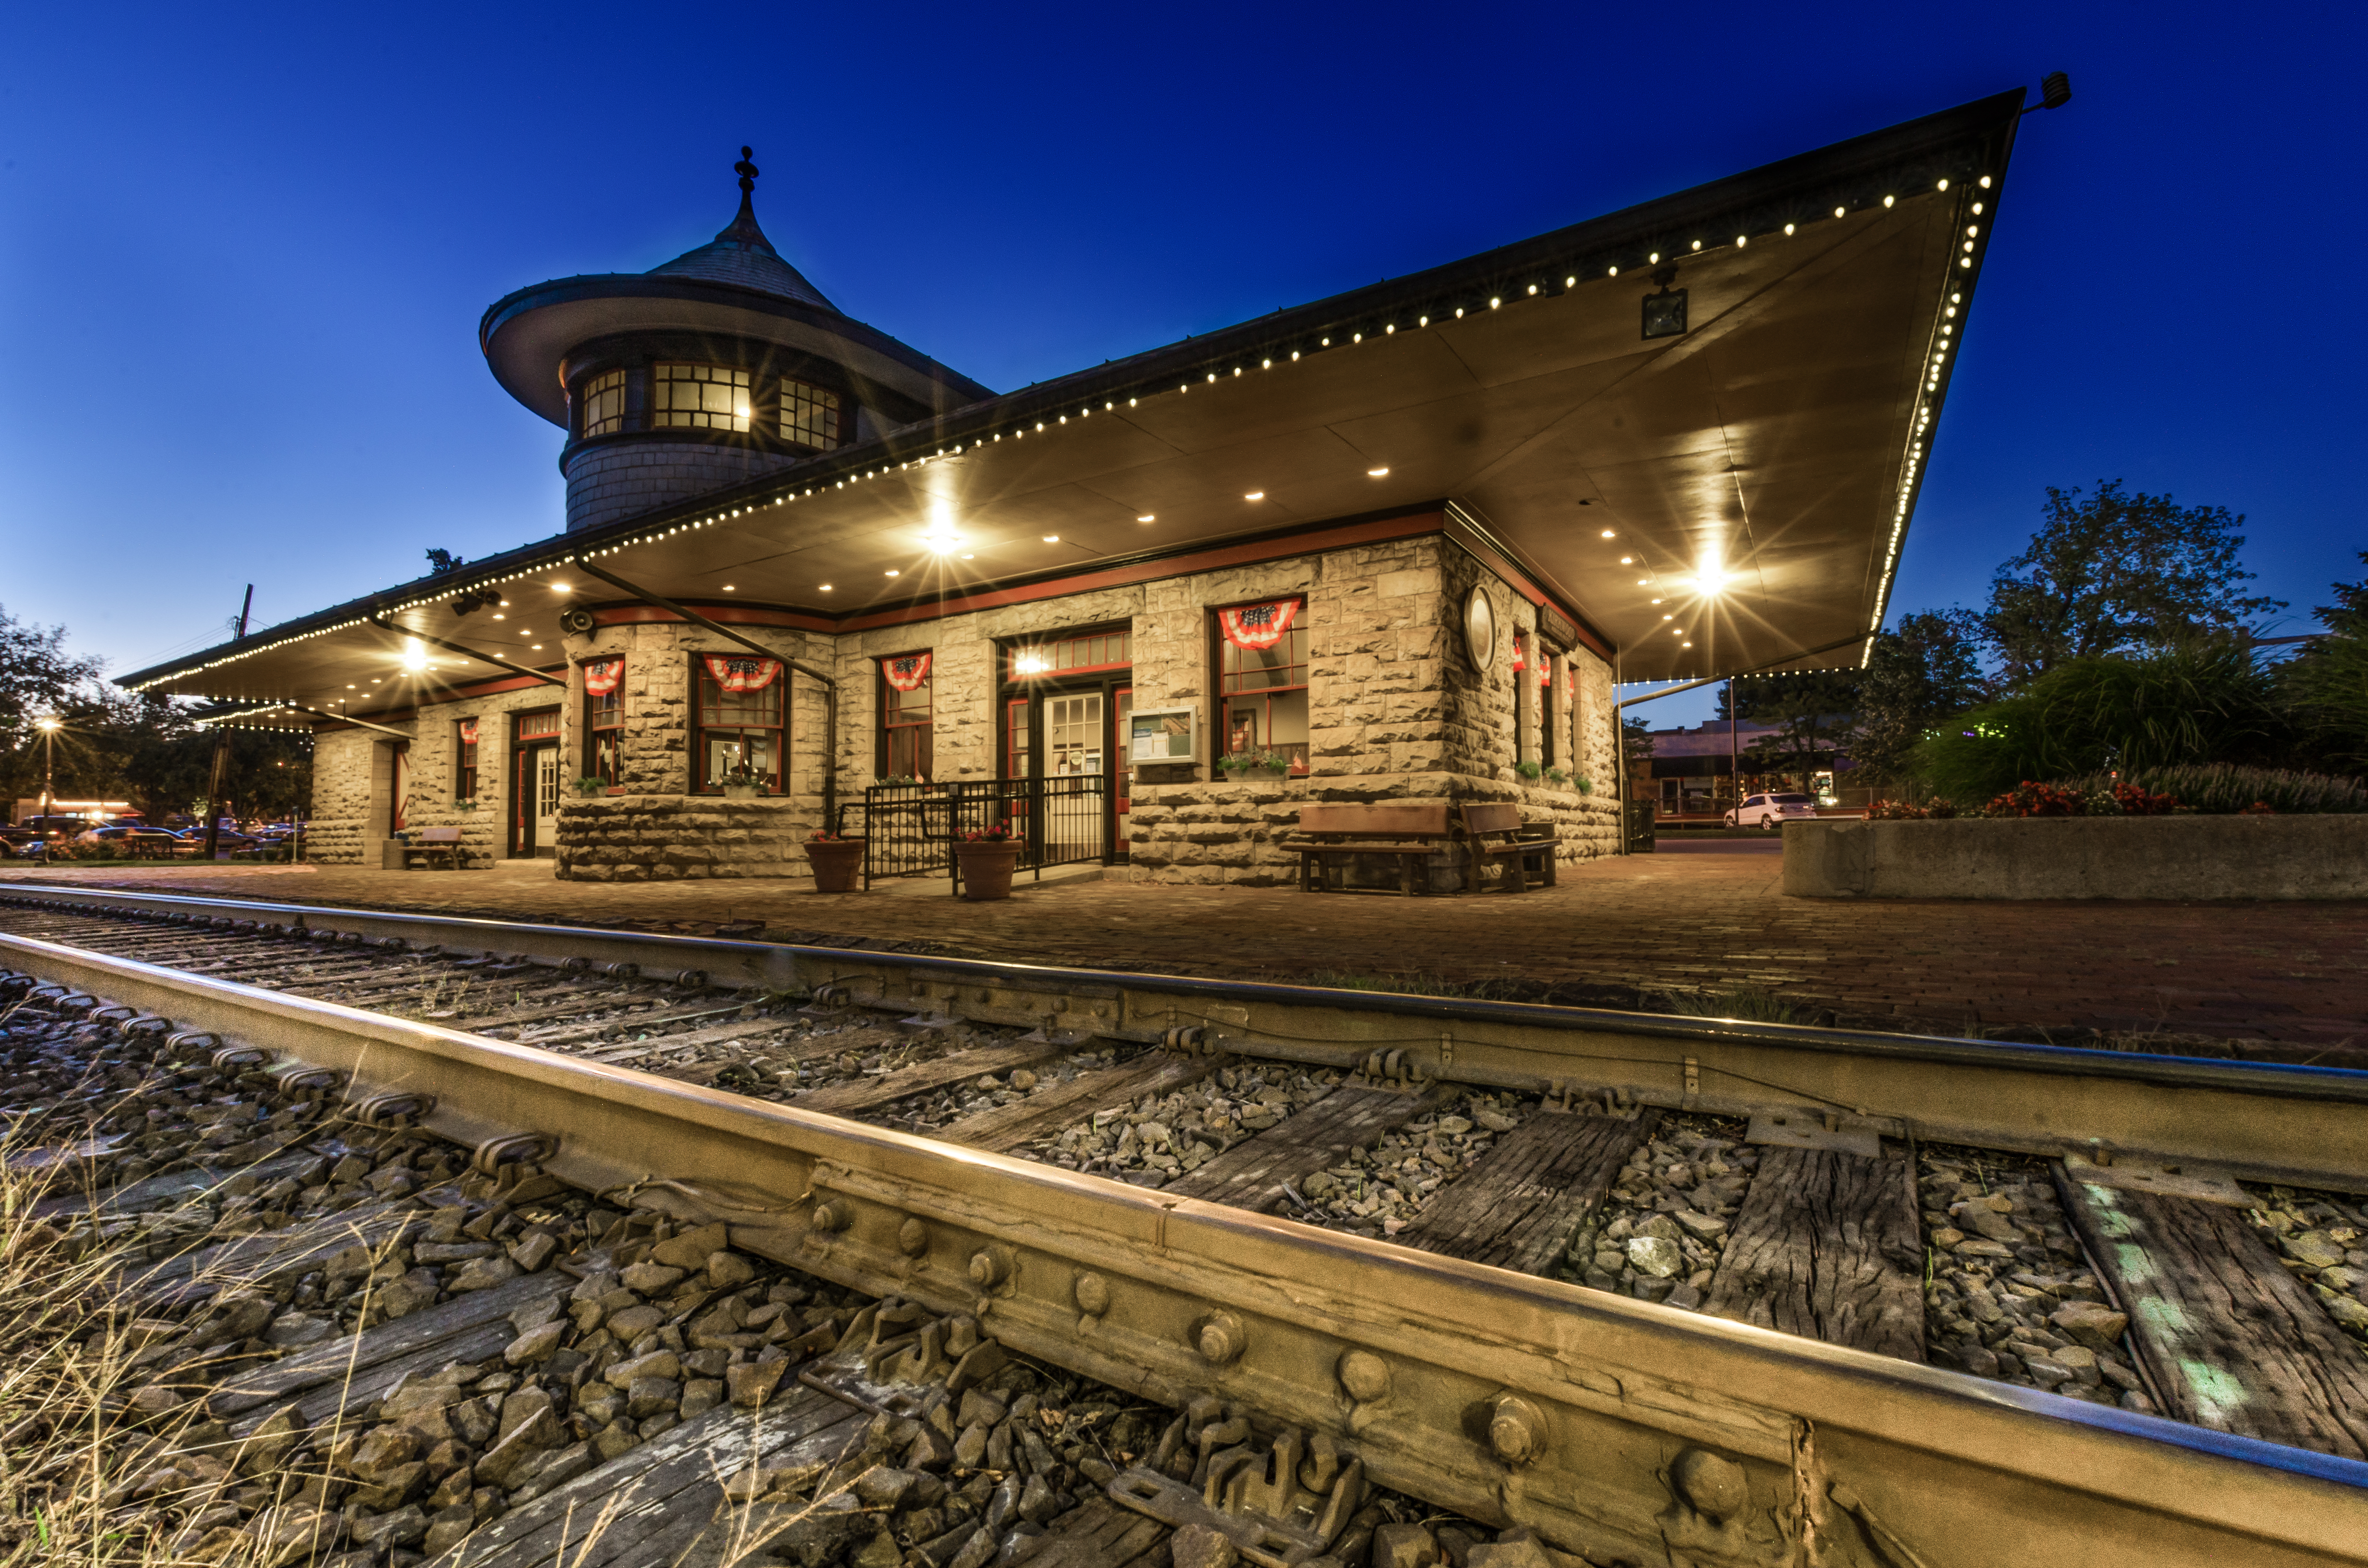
<point x="1703" y="916"/>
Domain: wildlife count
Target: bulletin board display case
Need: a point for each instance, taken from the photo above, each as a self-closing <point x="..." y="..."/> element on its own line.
<point x="1155" y="735"/>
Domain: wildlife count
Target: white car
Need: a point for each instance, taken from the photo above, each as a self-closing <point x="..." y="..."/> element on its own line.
<point x="1772" y="811"/>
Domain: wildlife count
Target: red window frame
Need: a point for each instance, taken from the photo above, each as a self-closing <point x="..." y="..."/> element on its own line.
<point x="464" y="760"/>
<point x="708" y="721"/>
<point x="907" y="723"/>
<point x="1294" y="645"/>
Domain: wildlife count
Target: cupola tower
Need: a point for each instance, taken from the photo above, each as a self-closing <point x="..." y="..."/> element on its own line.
<point x="719" y="366"/>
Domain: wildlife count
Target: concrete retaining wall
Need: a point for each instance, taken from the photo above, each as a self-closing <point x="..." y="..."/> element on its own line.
<point x="2167" y="858"/>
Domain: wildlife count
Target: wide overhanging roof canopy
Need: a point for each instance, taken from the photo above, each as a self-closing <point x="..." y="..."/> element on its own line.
<point x="1711" y="500"/>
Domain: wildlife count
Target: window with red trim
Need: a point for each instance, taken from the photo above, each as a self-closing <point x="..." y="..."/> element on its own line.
<point x="738" y="734"/>
<point x="906" y="726"/>
<point x="1262" y="692"/>
<point x="464" y="760"/>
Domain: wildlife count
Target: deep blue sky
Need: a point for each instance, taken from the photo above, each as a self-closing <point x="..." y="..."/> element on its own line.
<point x="242" y="252"/>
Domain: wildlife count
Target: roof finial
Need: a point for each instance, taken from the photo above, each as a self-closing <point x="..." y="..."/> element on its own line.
<point x="743" y="229"/>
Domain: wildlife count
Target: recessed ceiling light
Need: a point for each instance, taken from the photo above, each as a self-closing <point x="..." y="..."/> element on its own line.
<point x="1377" y="473"/>
<point x="1255" y="495"/>
<point x="1607" y="533"/>
<point x="562" y="588"/>
<point x="1051" y="538"/>
<point x="500" y="617"/>
<point x="538" y="647"/>
<point x="825" y="587"/>
<point x="349" y="685"/>
<point x="506" y="604"/>
<point x="1666" y="616"/>
<point x="893" y="572"/>
<point x="1642" y="581"/>
<point x="970" y="558"/>
<point x="727" y="587"/>
<point x="1627" y="561"/>
<point x="1656" y="601"/>
<point x="1144" y="518"/>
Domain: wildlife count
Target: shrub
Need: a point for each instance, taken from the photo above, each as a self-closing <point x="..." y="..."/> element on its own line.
<point x="1895" y="811"/>
<point x="2196" y="703"/>
<point x="2221" y="787"/>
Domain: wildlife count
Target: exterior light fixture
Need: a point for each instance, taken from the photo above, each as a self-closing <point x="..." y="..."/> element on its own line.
<point x="1377" y="473"/>
<point x="1145" y="519"/>
<point x="728" y="588"/>
<point x="1255" y="495"/>
<point x="970" y="558"/>
<point x="825" y="587"/>
<point x="562" y="588"/>
<point x="1051" y="538"/>
<point x="1607" y="533"/>
<point x="893" y="572"/>
<point x="1627" y="561"/>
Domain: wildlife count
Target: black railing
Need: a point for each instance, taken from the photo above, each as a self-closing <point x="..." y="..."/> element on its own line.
<point x="910" y="830"/>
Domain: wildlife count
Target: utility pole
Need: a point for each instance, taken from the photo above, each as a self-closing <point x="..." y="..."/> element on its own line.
<point x="1734" y="755"/>
<point x="222" y="751"/>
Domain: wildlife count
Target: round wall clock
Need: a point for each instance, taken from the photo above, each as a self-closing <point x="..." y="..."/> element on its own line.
<point x="1479" y="629"/>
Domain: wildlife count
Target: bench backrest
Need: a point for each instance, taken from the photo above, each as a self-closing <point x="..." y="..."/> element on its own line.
<point x="440" y="835"/>
<point x="1395" y="820"/>
<point x="1501" y="817"/>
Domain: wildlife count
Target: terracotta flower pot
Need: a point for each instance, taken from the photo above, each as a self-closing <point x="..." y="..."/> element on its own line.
<point x="986" y="868"/>
<point x="837" y="863"/>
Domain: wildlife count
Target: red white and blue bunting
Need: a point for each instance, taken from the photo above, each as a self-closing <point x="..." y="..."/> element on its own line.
<point x="1258" y="626"/>
<point x="736" y="674"/>
<point x="602" y="676"/>
<point x="906" y="672"/>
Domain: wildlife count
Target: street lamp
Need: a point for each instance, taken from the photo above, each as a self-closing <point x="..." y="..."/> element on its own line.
<point x="49" y="728"/>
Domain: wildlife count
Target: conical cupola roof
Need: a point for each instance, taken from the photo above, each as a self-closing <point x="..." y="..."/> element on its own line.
<point x="742" y="255"/>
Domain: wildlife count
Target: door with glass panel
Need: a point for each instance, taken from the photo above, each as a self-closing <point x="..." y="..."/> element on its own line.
<point x="1076" y="743"/>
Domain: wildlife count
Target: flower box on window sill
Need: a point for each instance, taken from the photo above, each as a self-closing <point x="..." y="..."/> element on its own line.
<point x="616" y="788"/>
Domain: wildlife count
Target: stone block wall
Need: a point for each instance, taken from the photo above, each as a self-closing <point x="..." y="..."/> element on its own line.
<point x="622" y="837"/>
<point x="349" y="789"/>
<point x="1397" y="712"/>
<point x="658" y="838"/>
<point x="624" y="478"/>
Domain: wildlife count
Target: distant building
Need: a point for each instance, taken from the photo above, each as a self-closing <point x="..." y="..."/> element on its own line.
<point x="1693" y="772"/>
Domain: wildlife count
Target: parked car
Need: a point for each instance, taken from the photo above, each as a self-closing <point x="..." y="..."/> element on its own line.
<point x="1772" y="811"/>
<point x="226" y="841"/>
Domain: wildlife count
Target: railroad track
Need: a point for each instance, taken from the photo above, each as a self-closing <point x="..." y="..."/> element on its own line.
<point x="1372" y="1219"/>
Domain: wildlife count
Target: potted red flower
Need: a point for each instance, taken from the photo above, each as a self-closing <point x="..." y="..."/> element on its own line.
<point x="838" y="861"/>
<point x="987" y="855"/>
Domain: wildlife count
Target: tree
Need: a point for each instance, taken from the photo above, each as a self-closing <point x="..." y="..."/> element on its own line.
<point x="1637" y="746"/>
<point x="2325" y="685"/>
<point x="1918" y="674"/>
<point x="2115" y="570"/>
<point x="37" y="678"/>
<point x="1810" y="709"/>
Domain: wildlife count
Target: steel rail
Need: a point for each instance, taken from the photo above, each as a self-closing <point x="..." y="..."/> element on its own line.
<point x="2260" y="1121"/>
<point x="1510" y="1398"/>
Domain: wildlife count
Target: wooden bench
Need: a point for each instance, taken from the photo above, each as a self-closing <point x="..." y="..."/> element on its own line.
<point x="433" y="844"/>
<point x="1498" y="833"/>
<point x="1328" y="834"/>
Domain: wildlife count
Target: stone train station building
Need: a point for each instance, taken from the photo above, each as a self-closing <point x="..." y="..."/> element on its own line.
<point x="1398" y="545"/>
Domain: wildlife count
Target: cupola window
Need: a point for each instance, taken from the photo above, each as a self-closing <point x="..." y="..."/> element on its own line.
<point x="699" y="397"/>
<point x="603" y="402"/>
<point x="811" y="414"/>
